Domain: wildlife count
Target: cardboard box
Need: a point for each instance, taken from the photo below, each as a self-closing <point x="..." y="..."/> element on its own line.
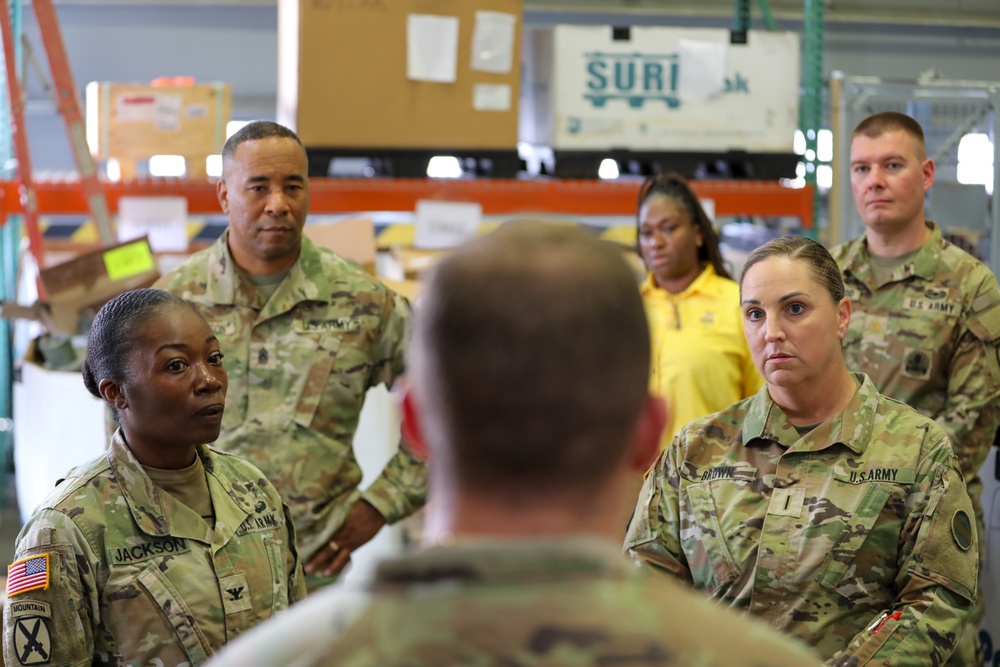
<point x="343" y="83"/>
<point x="78" y="288"/>
<point x="131" y="121"/>
<point x="352" y="238"/>
<point x="660" y="89"/>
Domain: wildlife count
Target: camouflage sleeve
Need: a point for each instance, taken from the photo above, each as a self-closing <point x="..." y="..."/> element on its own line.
<point x="390" y="347"/>
<point x="401" y="489"/>
<point x="971" y="413"/>
<point x="296" y="576"/>
<point x="936" y="580"/>
<point x="49" y="617"/>
<point x="653" y="536"/>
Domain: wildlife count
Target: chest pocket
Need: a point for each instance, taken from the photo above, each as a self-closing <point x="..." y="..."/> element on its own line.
<point x="709" y="546"/>
<point x="171" y="635"/>
<point x="320" y="359"/>
<point x="844" y="568"/>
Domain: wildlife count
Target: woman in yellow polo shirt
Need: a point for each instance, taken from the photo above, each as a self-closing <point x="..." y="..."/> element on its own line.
<point x="701" y="363"/>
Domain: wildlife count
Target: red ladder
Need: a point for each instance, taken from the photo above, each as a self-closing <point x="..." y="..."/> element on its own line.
<point x="68" y="104"/>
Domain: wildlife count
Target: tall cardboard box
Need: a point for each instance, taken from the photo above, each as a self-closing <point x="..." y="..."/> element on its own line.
<point x="342" y="77"/>
<point x="135" y="121"/>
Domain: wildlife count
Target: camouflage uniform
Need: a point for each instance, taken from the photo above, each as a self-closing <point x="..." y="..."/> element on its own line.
<point x="137" y="578"/>
<point x="821" y="534"/>
<point x="535" y="602"/>
<point x="930" y="337"/>
<point x="299" y="366"/>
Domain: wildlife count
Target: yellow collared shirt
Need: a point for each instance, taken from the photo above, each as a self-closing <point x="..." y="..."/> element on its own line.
<point x="701" y="362"/>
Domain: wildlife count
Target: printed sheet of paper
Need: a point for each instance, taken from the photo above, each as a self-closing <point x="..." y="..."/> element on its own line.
<point x="432" y="48"/>
<point x="702" y="74"/>
<point x="491" y="97"/>
<point x="493" y="42"/>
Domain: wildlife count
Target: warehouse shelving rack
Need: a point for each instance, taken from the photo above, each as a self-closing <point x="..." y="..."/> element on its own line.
<point x="497" y="196"/>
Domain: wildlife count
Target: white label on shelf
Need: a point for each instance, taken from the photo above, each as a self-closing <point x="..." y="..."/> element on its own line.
<point x="163" y="219"/>
<point x="445" y="224"/>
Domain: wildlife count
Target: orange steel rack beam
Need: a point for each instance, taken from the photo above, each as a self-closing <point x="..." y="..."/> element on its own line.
<point x="497" y="196"/>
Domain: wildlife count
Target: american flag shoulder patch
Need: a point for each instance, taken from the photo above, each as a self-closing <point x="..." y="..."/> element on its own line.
<point x="28" y="574"/>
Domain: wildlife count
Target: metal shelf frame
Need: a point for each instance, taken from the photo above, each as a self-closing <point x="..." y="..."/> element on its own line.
<point x="497" y="196"/>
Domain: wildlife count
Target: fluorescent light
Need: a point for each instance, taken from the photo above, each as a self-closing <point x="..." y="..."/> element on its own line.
<point x="608" y="169"/>
<point x="213" y="166"/>
<point x="444" y="166"/>
<point x="166" y="165"/>
<point x="234" y="126"/>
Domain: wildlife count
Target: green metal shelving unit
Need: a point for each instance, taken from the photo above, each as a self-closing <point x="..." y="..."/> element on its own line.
<point x="811" y="105"/>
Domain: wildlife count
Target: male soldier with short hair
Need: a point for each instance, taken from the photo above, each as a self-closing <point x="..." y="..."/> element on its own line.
<point x="926" y="320"/>
<point x="305" y="334"/>
<point x="529" y="390"/>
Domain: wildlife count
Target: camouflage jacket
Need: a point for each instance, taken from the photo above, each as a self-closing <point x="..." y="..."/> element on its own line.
<point x="124" y="574"/>
<point x="930" y="337"/>
<point x="856" y="537"/>
<point x="299" y="366"/>
<point x="484" y="603"/>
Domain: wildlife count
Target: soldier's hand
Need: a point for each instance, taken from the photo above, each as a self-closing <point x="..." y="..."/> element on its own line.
<point x="362" y="523"/>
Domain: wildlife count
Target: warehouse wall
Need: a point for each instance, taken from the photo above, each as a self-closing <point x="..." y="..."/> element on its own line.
<point x="238" y="44"/>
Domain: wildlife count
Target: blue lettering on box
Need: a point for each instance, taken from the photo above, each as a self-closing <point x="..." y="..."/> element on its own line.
<point x="633" y="77"/>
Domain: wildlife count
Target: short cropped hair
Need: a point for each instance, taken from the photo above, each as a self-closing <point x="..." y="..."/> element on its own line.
<point x="254" y="131"/>
<point x="892" y="121"/>
<point x="531" y="355"/>
<point x="113" y="336"/>
<point x="824" y="268"/>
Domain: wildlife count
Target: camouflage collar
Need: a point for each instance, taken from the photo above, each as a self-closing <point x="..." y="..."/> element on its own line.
<point x="155" y="511"/>
<point x="498" y="560"/>
<point x="851" y="428"/>
<point x="857" y="261"/>
<point x="225" y="285"/>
